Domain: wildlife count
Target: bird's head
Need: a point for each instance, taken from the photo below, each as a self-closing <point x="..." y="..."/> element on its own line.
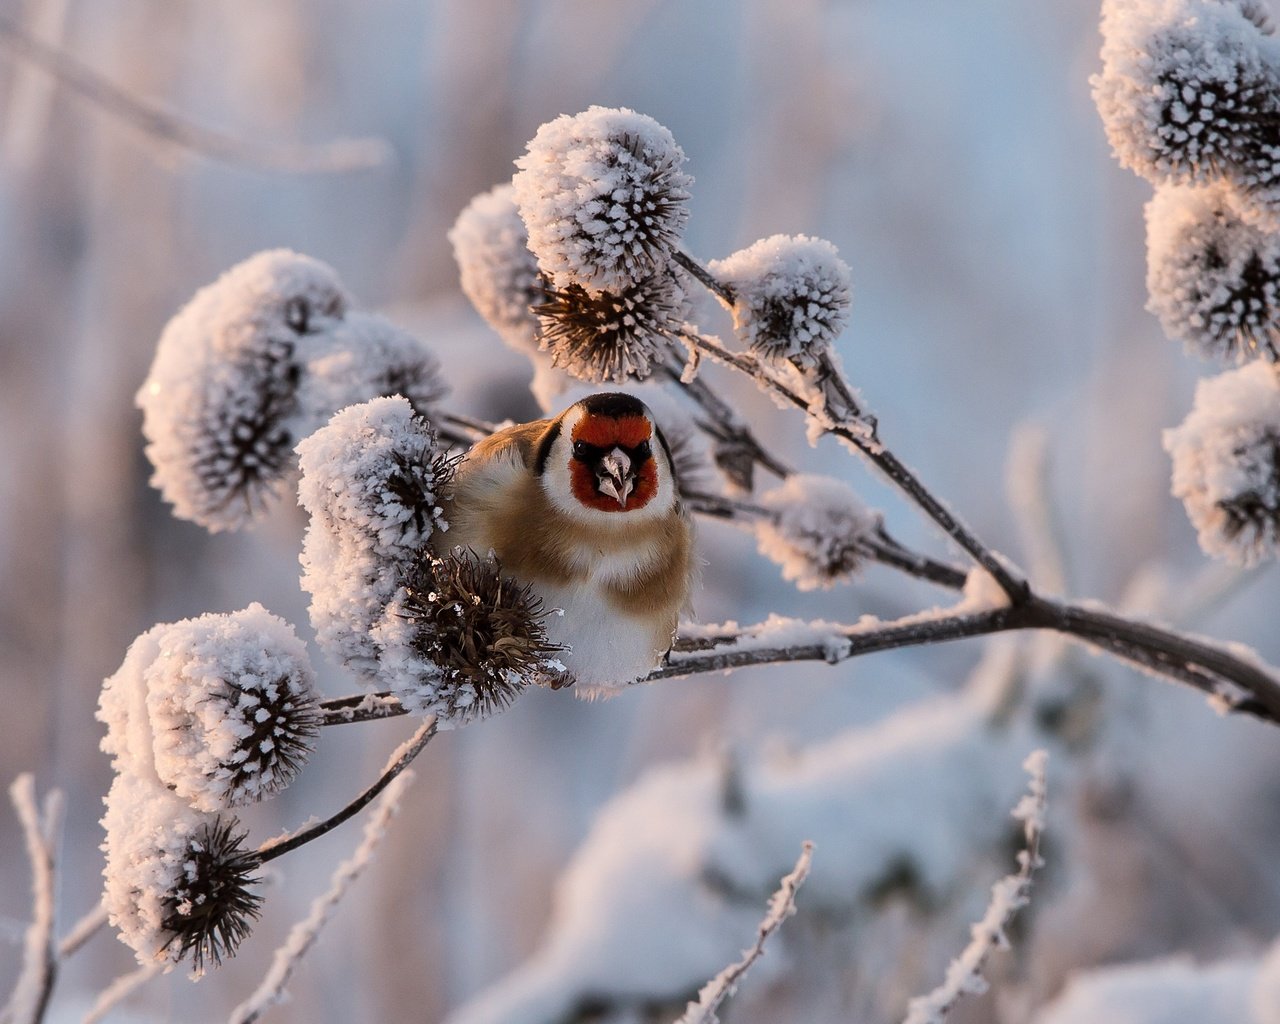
<point x="606" y="455"/>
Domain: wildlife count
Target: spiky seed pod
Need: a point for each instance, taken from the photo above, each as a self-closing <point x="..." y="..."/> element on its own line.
<point x="461" y="640"/>
<point x="1190" y="91"/>
<point x="177" y="880"/>
<point x="819" y="531"/>
<point x="611" y="336"/>
<point x="211" y="908"/>
<point x="791" y="297"/>
<point x="1213" y="279"/>
<point x="366" y="357"/>
<point x="497" y="271"/>
<point x="217" y="402"/>
<point x="1226" y="463"/>
<point x="603" y="196"/>
<point x="232" y="705"/>
<point x="372" y="481"/>
<point x="1256" y="13"/>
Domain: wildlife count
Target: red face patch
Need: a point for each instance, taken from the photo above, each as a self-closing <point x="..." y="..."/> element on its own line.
<point x="604" y="433"/>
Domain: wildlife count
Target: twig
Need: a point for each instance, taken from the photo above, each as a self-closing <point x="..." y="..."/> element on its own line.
<point x="401" y="758"/>
<point x="338" y="156"/>
<point x="82" y="931"/>
<point x="119" y="990"/>
<point x="1008" y="896"/>
<point x="781" y="906"/>
<point x="704" y="277"/>
<point x="31" y="994"/>
<point x="304" y="934"/>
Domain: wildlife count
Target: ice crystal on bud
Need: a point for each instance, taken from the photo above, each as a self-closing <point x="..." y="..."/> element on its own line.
<point x="461" y="640"/>
<point x="602" y="194"/>
<point x="371" y="481"/>
<point x="1190" y="91"/>
<point x="217" y="401"/>
<point x="367" y="357"/>
<point x="1213" y="278"/>
<point x="1226" y="463"/>
<point x="611" y="336"/>
<point x="177" y="880"/>
<point x="818" y="532"/>
<point x="232" y="706"/>
<point x="497" y="271"/>
<point x="792" y="297"/>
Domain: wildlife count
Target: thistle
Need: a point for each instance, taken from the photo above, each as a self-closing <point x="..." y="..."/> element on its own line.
<point x="608" y="336"/>
<point x="603" y="196"/>
<point x="462" y="640"/>
<point x="818" y="530"/>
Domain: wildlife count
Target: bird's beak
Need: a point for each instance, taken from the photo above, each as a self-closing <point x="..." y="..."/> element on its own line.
<point x="615" y="477"/>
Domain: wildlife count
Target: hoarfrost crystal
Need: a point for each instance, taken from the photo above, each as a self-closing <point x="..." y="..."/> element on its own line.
<point x="819" y="531"/>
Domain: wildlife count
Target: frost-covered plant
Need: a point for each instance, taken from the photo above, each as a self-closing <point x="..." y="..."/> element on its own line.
<point x="372" y="482"/>
<point x="1213" y="277"/>
<point x="791" y="297"/>
<point x="496" y="270"/>
<point x="603" y="195"/>
<point x="253" y="362"/>
<point x="1226" y="463"/>
<point x="1190" y="92"/>
<point x="177" y="879"/>
<point x="818" y="532"/>
<point x="462" y="640"/>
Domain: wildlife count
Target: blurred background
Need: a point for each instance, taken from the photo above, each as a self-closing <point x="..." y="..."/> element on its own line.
<point x="952" y="153"/>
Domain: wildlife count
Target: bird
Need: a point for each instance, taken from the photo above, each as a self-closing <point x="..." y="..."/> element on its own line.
<point x="585" y="509"/>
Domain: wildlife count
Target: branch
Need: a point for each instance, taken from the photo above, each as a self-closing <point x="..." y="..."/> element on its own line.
<point x="119" y="990"/>
<point x="338" y="156"/>
<point x="304" y="934"/>
<point x="30" y="998"/>
<point x="781" y="906"/>
<point x="401" y="758"/>
<point x="1008" y="896"/>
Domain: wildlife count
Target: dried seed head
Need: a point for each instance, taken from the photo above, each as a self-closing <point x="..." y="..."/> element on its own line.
<point x="497" y="271"/>
<point x="372" y="481"/>
<point x="461" y="640"/>
<point x="791" y="297"/>
<point x="1226" y="463"/>
<point x="1190" y="92"/>
<point x="177" y="880"/>
<point x="603" y="195"/>
<point x="819" y="531"/>
<point x="222" y="388"/>
<point x="211" y="908"/>
<point x="1213" y="279"/>
<point x="611" y="336"/>
<point x="232" y="706"/>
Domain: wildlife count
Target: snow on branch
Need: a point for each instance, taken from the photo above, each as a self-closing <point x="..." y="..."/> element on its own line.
<point x="1008" y="896"/>
<point x="304" y="934"/>
<point x="39" y="956"/>
<point x="781" y="906"/>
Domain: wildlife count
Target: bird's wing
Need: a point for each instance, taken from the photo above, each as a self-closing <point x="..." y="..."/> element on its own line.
<point x="514" y="447"/>
<point x="493" y="470"/>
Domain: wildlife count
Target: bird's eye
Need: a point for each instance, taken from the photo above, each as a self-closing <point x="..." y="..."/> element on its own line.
<point x="643" y="450"/>
<point x="581" y="449"/>
<point x="297" y="314"/>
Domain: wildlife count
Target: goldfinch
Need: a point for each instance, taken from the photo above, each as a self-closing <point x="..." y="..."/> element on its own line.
<point x="584" y="507"/>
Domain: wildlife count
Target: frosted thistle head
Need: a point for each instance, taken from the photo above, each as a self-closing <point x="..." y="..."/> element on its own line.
<point x="1226" y="463"/>
<point x="611" y="336"/>
<point x="603" y="196"/>
<point x="232" y="705"/>
<point x="367" y="357"/>
<point x="461" y="640"/>
<point x="1213" y="279"/>
<point x="497" y="271"/>
<point x="372" y="481"/>
<point x="177" y="880"/>
<point x="819" y="530"/>
<point x="1190" y="91"/>
<point x="210" y="908"/>
<point x="791" y="297"/>
<point x="218" y="400"/>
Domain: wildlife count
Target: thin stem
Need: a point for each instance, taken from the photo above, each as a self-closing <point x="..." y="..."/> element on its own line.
<point x="704" y="277"/>
<point x="862" y="437"/>
<point x="341" y="155"/>
<point x="403" y="757"/>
